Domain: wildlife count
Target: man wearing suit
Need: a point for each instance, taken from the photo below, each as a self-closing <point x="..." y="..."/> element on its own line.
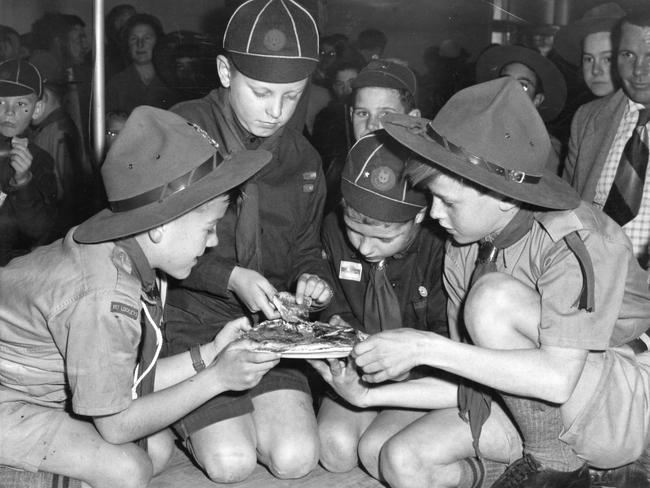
<point x="601" y="128"/>
<point x="600" y="131"/>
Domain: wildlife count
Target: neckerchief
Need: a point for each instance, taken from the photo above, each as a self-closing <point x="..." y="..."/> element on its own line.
<point x="248" y="238"/>
<point x="474" y="400"/>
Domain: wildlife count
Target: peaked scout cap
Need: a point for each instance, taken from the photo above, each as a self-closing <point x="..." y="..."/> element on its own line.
<point x="272" y="40"/>
<point x="601" y="18"/>
<point x="19" y="77"/>
<point x="494" y="59"/>
<point x="492" y="135"/>
<point x="160" y="167"/>
<point x="373" y="181"/>
<point x="386" y="74"/>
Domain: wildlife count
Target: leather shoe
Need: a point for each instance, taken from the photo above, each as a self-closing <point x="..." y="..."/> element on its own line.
<point x="527" y="472"/>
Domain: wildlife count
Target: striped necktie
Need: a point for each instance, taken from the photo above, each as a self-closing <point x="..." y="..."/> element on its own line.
<point x="624" y="199"/>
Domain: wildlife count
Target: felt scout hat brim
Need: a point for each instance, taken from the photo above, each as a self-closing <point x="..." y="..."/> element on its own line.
<point x="159" y="168"/>
<point x="492" y="135"/>
<point x="492" y="61"/>
<point x="602" y="18"/>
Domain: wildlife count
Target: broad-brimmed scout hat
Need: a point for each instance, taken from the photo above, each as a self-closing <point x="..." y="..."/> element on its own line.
<point x="19" y="77"/>
<point x="272" y="40"/>
<point x="492" y="61"/>
<point x="601" y="18"/>
<point x="373" y="181"/>
<point x="386" y="74"/>
<point x="160" y="167"/>
<point x="492" y="135"/>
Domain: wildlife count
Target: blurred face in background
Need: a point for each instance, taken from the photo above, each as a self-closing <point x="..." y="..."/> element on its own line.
<point x="342" y="84"/>
<point x="596" y="63"/>
<point x="142" y="39"/>
<point x="77" y="45"/>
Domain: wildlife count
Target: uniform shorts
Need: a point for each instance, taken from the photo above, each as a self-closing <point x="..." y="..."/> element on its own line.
<point x="26" y="433"/>
<point x="613" y="428"/>
<point x="288" y="375"/>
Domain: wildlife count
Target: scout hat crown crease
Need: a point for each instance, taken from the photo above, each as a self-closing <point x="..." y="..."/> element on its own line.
<point x="492" y="135"/>
<point x="275" y="41"/>
<point x="160" y="167"/>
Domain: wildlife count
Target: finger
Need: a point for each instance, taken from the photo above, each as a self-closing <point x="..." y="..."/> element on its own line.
<point x="336" y="320"/>
<point x="375" y="378"/>
<point x="268" y="309"/>
<point x="322" y="368"/>
<point x="300" y="287"/>
<point x="336" y="366"/>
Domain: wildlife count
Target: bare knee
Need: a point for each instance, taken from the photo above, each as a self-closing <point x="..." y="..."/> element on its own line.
<point x="290" y="461"/>
<point x="228" y="467"/>
<point x="369" y="448"/>
<point x="132" y="469"/>
<point x="398" y="463"/>
<point x="160" y="449"/>
<point x="338" y="451"/>
<point x="501" y="310"/>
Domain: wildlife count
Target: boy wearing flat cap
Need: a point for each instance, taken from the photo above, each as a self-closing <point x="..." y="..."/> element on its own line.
<point x="27" y="180"/>
<point x="546" y="292"/>
<point x="80" y="382"/>
<point x="270" y="242"/>
<point x="386" y="266"/>
<point x="382" y="87"/>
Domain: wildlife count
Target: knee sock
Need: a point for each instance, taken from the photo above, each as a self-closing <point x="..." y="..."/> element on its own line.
<point x="479" y="473"/>
<point x="472" y="473"/>
<point x="540" y="425"/>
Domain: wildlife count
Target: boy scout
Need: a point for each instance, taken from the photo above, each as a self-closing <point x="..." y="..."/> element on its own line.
<point x="386" y="265"/>
<point x="547" y="292"/>
<point x="270" y="242"/>
<point x="79" y="319"/>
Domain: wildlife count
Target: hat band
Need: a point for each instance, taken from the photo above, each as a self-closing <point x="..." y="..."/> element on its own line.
<point x="509" y="174"/>
<point x="159" y="194"/>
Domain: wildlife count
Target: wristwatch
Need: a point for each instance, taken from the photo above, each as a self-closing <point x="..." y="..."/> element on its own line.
<point x="197" y="360"/>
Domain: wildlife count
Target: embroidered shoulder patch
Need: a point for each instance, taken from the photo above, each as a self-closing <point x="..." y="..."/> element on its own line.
<point x="124" y="309"/>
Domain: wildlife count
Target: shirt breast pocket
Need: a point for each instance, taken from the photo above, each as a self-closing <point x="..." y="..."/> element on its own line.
<point x="420" y="313"/>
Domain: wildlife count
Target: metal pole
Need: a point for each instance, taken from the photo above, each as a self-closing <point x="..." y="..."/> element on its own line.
<point x="98" y="135"/>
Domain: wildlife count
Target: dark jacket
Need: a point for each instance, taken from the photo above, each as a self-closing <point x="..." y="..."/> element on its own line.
<point x="416" y="275"/>
<point x="28" y="212"/>
<point x="291" y="194"/>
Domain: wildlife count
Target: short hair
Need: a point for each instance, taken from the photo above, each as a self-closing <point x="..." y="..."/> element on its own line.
<point x="372" y="38"/>
<point x="421" y="174"/>
<point x="406" y="98"/>
<point x="639" y="16"/>
<point x="353" y="214"/>
<point x="143" y="19"/>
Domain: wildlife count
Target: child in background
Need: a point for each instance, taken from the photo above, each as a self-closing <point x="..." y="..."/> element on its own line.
<point x="386" y="262"/>
<point x="383" y="86"/>
<point x="27" y="182"/>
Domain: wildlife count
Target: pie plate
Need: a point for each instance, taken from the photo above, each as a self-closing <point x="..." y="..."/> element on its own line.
<point x="332" y="353"/>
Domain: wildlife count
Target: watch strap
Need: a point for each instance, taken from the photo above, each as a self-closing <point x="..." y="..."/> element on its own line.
<point x="197" y="360"/>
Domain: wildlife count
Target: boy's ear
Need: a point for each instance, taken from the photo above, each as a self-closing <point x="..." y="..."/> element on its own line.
<point x="538" y="99"/>
<point x="39" y="106"/>
<point x="507" y="204"/>
<point x="223" y="70"/>
<point x="415" y="113"/>
<point x="156" y="234"/>
<point x="419" y="217"/>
